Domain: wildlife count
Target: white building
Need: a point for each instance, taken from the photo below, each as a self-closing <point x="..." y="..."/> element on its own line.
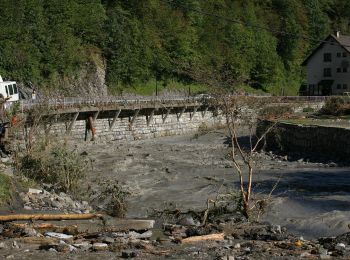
<point x="328" y="67"/>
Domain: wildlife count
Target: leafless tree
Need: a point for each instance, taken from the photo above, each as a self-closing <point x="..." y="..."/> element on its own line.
<point x="242" y="114"/>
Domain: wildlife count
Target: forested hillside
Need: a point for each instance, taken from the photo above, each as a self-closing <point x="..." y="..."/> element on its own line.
<point x="214" y="42"/>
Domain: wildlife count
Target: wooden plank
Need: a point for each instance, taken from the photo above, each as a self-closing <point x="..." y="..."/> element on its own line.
<point x="6" y="218"/>
<point x="193" y="113"/>
<point x="204" y="112"/>
<point x="150" y="117"/>
<point x="137" y="111"/>
<point x="117" y="113"/>
<point x="181" y="113"/>
<point x="70" y="127"/>
<point x="96" y="115"/>
<point x="166" y="115"/>
<point x="211" y="237"/>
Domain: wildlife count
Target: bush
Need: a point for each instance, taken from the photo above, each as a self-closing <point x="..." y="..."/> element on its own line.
<point x="308" y="110"/>
<point x="5" y="188"/>
<point x="270" y="112"/>
<point x="110" y="196"/>
<point x="55" y="165"/>
<point x="336" y="106"/>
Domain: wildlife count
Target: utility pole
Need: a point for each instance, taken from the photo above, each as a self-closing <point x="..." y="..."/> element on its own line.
<point x="156" y="87"/>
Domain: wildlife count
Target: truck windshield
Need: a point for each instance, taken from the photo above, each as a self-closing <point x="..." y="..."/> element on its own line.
<point x="10" y="89"/>
<point x="15" y="90"/>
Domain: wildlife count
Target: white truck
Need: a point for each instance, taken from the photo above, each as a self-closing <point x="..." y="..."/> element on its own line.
<point x="8" y="89"/>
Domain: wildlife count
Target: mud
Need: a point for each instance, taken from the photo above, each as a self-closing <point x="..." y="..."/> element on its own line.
<point x="311" y="199"/>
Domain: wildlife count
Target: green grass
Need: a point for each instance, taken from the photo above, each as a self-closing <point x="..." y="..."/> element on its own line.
<point x="5" y="188"/>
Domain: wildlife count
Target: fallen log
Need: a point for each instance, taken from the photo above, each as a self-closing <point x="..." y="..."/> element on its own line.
<point x="20" y="217"/>
<point x="47" y="227"/>
<point x="211" y="237"/>
<point x="39" y="240"/>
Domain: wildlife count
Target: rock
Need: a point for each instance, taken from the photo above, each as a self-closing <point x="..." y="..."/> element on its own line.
<point x="1" y="228"/>
<point x="276" y="229"/>
<point x="340" y="247"/>
<point x="15" y="245"/>
<point x="108" y="240"/>
<point x="30" y="232"/>
<point x="56" y="204"/>
<point x="5" y="160"/>
<point x="34" y="191"/>
<point x="100" y="246"/>
<point x="144" y="235"/>
<point x="325" y="256"/>
<point x="305" y="255"/>
<point x="237" y="246"/>
<point x="10" y="257"/>
<point x="83" y="245"/>
<point x="63" y="248"/>
<point x="128" y="254"/>
<point x="3" y="245"/>
<point x="27" y="208"/>
<point x="58" y="235"/>
<point x="52" y="250"/>
<point x="186" y="221"/>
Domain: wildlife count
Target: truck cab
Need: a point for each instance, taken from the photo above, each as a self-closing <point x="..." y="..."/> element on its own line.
<point x="8" y="89"/>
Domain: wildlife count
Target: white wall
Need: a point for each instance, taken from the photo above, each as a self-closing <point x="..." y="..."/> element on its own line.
<point x="316" y="65"/>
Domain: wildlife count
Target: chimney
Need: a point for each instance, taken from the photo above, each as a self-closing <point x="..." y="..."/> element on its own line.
<point x="337" y="33"/>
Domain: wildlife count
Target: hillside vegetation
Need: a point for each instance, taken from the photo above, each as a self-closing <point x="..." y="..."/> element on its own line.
<point x="42" y="41"/>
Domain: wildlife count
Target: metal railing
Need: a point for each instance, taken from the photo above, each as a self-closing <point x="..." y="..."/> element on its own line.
<point x="76" y="102"/>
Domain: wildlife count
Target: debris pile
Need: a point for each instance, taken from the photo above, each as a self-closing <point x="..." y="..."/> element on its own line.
<point x="128" y="238"/>
<point x="36" y="199"/>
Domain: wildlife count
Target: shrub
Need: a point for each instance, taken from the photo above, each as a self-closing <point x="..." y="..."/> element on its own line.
<point x="110" y="196"/>
<point x="336" y="106"/>
<point x="5" y="188"/>
<point x="270" y="112"/>
<point x="308" y="110"/>
<point x="55" y="165"/>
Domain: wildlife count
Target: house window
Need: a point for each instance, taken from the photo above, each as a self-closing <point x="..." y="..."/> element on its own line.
<point x="327" y="72"/>
<point x="338" y="86"/>
<point x="345" y="69"/>
<point x="345" y="54"/>
<point x="327" y="57"/>
<point x="345" y="86"/>
<point x="338" y="70"/>
<point x="338" y="54"/>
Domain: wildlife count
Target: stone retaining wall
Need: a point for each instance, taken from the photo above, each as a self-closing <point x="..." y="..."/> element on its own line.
<point x="124" y="130"/>
<point x="319" y="143"/>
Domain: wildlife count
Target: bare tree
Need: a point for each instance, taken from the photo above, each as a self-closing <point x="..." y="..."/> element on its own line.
<point x="242" y="114"/>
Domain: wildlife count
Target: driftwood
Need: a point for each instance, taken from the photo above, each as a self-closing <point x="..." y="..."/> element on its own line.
<point x="48" y="217"/>
<point x="39" y="240"/>
<point x="211" y="237"/>
<point x="47" y="227"/>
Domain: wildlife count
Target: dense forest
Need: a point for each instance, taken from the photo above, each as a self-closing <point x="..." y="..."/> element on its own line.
<point x="218" y="43"/>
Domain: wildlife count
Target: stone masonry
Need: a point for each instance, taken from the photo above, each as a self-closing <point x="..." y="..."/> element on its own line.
<point x="123" y="129"/>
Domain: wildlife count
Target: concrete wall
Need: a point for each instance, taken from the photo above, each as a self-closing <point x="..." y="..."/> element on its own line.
<point x="318" y="143"/>
<point x="123" y="130"/>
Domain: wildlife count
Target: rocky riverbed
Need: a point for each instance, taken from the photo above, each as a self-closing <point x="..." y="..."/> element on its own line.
<point x="179" y="174"/>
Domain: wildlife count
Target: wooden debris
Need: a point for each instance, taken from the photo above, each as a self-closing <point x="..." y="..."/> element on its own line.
<point x="48" y="217"/>
<point x="48" y="227"/>
<point x="39" y="240"/>
<point x="211" y="237"/>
